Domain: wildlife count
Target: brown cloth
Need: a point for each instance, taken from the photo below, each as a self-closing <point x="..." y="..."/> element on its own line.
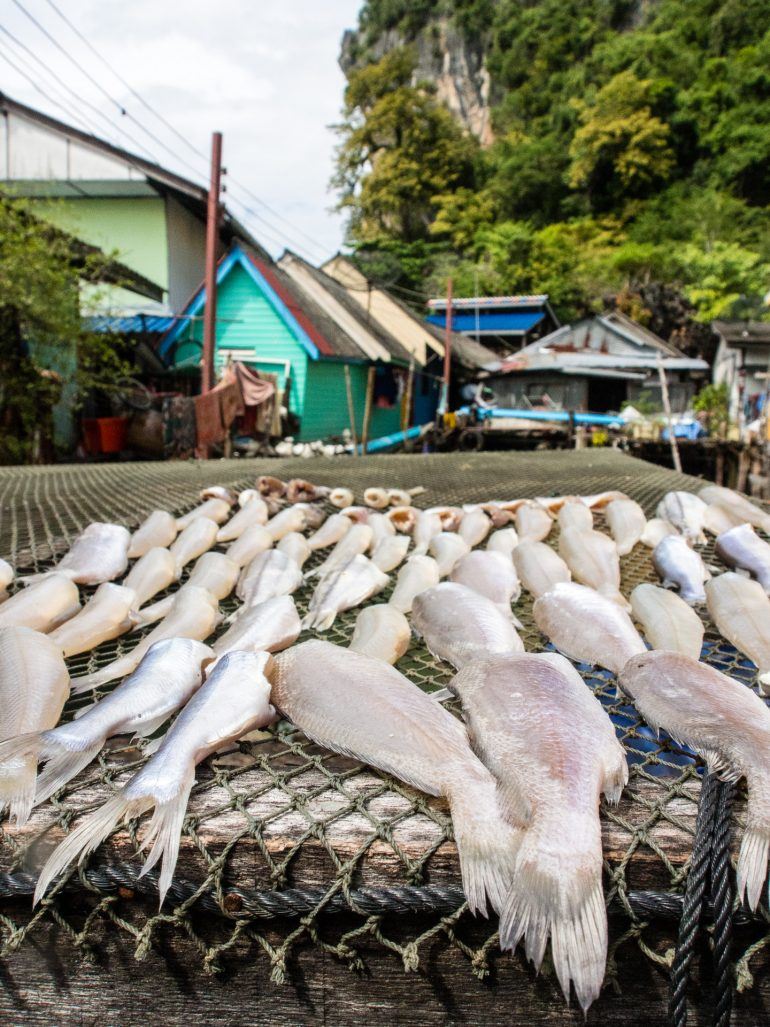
<point x="208" y="419"/>
<point x="230" y="401"/>
<point x="255" y="389"/>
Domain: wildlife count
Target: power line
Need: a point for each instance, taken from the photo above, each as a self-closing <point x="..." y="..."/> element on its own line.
<point x="20" y="71"/>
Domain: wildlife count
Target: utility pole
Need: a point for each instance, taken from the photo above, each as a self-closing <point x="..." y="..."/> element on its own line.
<point x="447" y="346"/>
<point x="212" y="238"/>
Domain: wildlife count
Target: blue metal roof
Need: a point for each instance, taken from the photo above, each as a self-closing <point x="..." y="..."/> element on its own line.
<point x="134" y="324"/>
<point x="515" y="323"/>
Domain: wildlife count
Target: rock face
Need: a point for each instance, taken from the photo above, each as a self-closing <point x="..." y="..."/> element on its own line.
<point x="453" y="63"/>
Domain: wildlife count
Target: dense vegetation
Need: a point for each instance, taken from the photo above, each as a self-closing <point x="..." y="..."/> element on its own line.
<point x="631" y="161"/>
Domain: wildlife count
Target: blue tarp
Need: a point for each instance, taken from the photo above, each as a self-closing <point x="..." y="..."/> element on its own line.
<point x="692" y="430"/>
<point x="134" y="324"/>
<point x="516" y="321"/>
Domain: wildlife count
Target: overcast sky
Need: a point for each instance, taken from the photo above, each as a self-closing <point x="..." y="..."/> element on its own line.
<point x="264" y="73"/>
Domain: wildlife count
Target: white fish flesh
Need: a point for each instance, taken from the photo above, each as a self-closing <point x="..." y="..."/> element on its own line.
<point x="680" y="566"/>
<point x="533" y="523"/>
<point x="194" y="614"/>
<point x="219" y="492"/>
<point x="268" y="626"/>
<point x="490" y="574"/>
<point x="382" y="528"/>
<point x="377" y="498"/>
<point x="98" y="554"/>
<point x="740" y="609"/>
<point x="727" y="724"/>
<point x="6" y="578"/>
<point x="553" y="751"/>
<point x="459" y="625"/>
<point x="293" y="519"/>
<point x="656" y="529"/>
<point x="417" y="574"/>
<point x="330" y="532"/>
<point x="212" y="571"/>
<point x="426" y="526"/>
<point x="354" y="542"/>
<point x="315" y="515"/>
<point x="34" y="685"/>
<point x="740" y="508"/>
<point x="150" y="574"/>
<point x="296" y="547"/>
<point x="167" y="677"/>
<point x="450" y="516"/>
<point x="743" y="549"/>
<point x="539" y="567"/>
<point x="404" y="518"/>
<point x="361" y="707"/>
<point x="254" y="540"/>
<point x="399" y="497"/>
<point x="356" y="582"/>
<point x="390" y="552"/>
<point x="504" y="540"/>
<point x="575" y="514"/>
<point x="447" y="548"/>
<point x="382" y="632"/>
<point x="626" y="521"/>
<point x="217" y="510"/>
<point x="247" y="495"/>
<point x="719" y="518"/>
<point x="667" y="621"/>
<point x="341" y="498"/>
<point x="233" y="700"/>
<point x="587" y="627"/>
<point x="593" y="559"/>
<point x="600" y="499"/>
<point x="106" y="615"/>
<point x="158" y="530"/>
<point x="686" y="512"/>
<point x="197" y="538"/>
<point x="474" y="527"/>
<point x="42" y="605"/>
<point x="270" y="574"/>
<point x="253" y="512"/>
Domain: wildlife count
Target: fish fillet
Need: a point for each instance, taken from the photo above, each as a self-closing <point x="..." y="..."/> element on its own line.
<point x="358" y="581"/>
<point x="390" y="552"/>
<point x="656" y="529"/>
<point x="627" y="522"/>
<point x="490" y="574"/>
<point x="197" y="538"/>
<point x="268" y="626"/>
<point x="150" y="574"/>
<point x="382" y="632"/>
<point x="251" y="513"/>
<point x="447" y="548"/>
<point x="212" y="571"/>
<point x="382" y="528"/>
<point x="417" y="574"/>
<point x="667" y="621"/>
<point x="504" y="540"/>
<point x="474" y="527"/>
<point x="98" y="554"/>
<point x="426" y="526"/>
<point x="215" y="509"/>
<point x="254" y="540"/>
<point x="270" y="574"/>
<point x="593" y="559"/>
<point x="539" y="567"/>
<point x="330" y="532"/>
<point x="742" y="548"/>
<point x="354" y="542"/>
<point x="106" y="615"/>
<point x="293" y="519"/>
<point x="741" y="508"/>
<point x="740" y="609"/>
<point x="575" y="514"/>
<point x="459" y="625"/>
<point x="157" y="530"/>
<point x="686" y="512"/>
<point x="42" y="605"/>
<point x="295" y="546"/>
<point x="533" y="523"/>
<point x="679" y="565"/>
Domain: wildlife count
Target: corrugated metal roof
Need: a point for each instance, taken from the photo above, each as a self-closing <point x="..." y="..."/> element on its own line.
<point x="495" y="302"/>
<point x="134" y="324"/>
<point x="742" y="333"/>
<point x="515" y="323"/>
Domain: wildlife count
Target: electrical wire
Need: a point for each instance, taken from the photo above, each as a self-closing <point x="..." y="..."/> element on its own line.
<point x="35" y="85"/>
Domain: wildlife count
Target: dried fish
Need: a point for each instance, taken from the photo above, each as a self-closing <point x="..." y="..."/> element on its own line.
<point x="350" y="586"/>
<point x="740" y="609"/>
<point x="377" y="498"/>
<point x="460" y="625"/>
<point x="300" y="491"/>
<point x="743" y="549"/>
<point x="157" y="530"/>
<point x="533" y="523"/>
<point x="356" y="540"/>
<point x="234" y="699"/>
<point x="106" y="615"/>
<point x="575" y="514"/>
<point x="296" y="547"/>
<point x="382" y="528"/>
<point x="270" y="574"/>
<point x="680" y="566"/>
<point x="686" y="512"/>
<point x="212" y="571"/>
<point x="390" y="552"/>
<point x="150" y="574"/>
<point x="418" y="573"/>
<point x="740" y="508"/>
<point x="217" y="510"/>
<point x="382" y="632"/>
<point x="265" y="627"/>
<point x="197" y="538"/>
<point x="593" y="559"/>
<point x="719" y="518"/>
<point x="447" y="548"/>
<point x="426" y="526"/>
<point x="330" y="532"/>
<point x="252" y="513"/>
<point x="42" y="605"/>
<point x="219" y="492"/>
<point x="727" y="724"/>
<point x="451" y="517"/>
<point x="404" y="518"/>
<point x="490" y="574"/>
<point x="474" y="527"/>
<point x="341" y="498"/>
<point x="6" y="578"/>
<point x="539" y="567"/>
<point x="267" y="485"/>
<point x="255" y="540"/>
<point x="627" y="522"/>
<point x="399" y="497"/>
<point x="293" y="519"/>
<point x="657" y="528"/>
<point x="667" y="621"/>
<point x="98" y="554"/>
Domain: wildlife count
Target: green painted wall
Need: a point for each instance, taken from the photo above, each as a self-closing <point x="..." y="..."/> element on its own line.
<point x="326" y="405"/>
<point x="134" y="226"/>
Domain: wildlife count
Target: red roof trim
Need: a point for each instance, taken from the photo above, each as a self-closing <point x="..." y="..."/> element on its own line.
<point x="321" y="342"/>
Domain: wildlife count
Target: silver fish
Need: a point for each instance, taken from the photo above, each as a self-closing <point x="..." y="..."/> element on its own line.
<point x="265" y="627"/>
<point x="740" y="508"/>
<point x="447" y="548"/>
<point x="34" y="685"/>
<point x="593" y="559"/>
<point x="293" y="519"/>
<point x="194" y="614"/>
<point x="474" y="527"/>
<point x="627" y="522"/>
<point x="533" y="523"/>
<point x="168" y="675"/>
<point x="587" y="627"/>
<point x="158" y="529"/>
<point x="253" y="512"/>
<point x="678" y="564"/>
<point x="270" y="574"/>
<point x="217" y="510"/>
<point x="381" y="631"/>
<point x="330" y="532"/>
<point x="349" y="587"/>
<point x="150" y="574"/>
<point x="390" y="552"/>
<point x="106" y="615"/>
<point x="539" y="567"/>
<point x="504" y="540"/>
<point x="98" y="554"/>
<point x="212" y="571"/>
<point x="459" y="625"/>
<point x="417" y="574"/>
<point x="233" y="700"/>
<point x="296" y="547"/>
<point x="197" y="538"/>
<point x="740" y="609"/>
<point x="360" y="706"/>
<point x="742" y="548"/>
<point x="727" y="724"/>
<point x="667" y="621"/>
<point x="42" y="605"/>
<point x="354" y="542"/>
<point x="490" y="574"/>
<point x="254" y="540"/>
<point x="686" y="512"/>
<point x="656" y="529"/>
<point x="553" y="751"/>
<point x="575" y="514"/>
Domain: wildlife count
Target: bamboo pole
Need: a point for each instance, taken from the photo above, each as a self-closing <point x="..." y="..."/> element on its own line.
<point x="367" y="408"/>
<point x="406" y="411"/>
<point x="351" y="409"/>
<point x="667" y="408"/>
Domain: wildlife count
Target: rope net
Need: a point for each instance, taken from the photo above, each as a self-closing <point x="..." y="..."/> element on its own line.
<point x="277" y="814"/>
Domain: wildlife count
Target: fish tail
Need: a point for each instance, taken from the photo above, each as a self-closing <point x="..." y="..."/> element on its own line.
<point x="752" y="859"/>
<point x="87" y="836"/>
<point x="61" y="766"/>
<point x="319" y="620"/>
<point x="116" y="669"/>
<point x="557" y="892"/>
<point x="486" y="844"/>
<point x="164" y="835"/>
<point x="18" y="774"/>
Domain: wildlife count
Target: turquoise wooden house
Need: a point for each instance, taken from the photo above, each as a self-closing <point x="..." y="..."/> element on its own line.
<point x="293" y="320"/>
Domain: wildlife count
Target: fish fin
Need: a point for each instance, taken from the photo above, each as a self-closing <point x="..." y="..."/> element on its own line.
<point x="61" y="766"/>
<point x="513" y="803"/>
<point x="615" y="774"/>
<point x="752" y="866"/>
<point x="319" y="620"/>
<point x="442" y="694"/>
<point x="164" y="836"/>
<point x="18" y="773"/>
<point x="86" y="837"/>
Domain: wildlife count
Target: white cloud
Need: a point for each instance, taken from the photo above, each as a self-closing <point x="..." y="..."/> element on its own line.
<point x="264" y="73"/>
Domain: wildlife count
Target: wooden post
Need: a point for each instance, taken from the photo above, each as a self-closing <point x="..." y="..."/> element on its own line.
<point x="368" y="408"/>
<point x="406" y="410"/>
<point x="667" y="408"/>
<point x="351" y="409"/>
<point x="444" y="405"/>
<point x="212" y="236"/>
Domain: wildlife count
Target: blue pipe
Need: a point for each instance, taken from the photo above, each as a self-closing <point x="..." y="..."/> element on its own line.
<point x="558" y="416"/>
<point x="388" y="441"/>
